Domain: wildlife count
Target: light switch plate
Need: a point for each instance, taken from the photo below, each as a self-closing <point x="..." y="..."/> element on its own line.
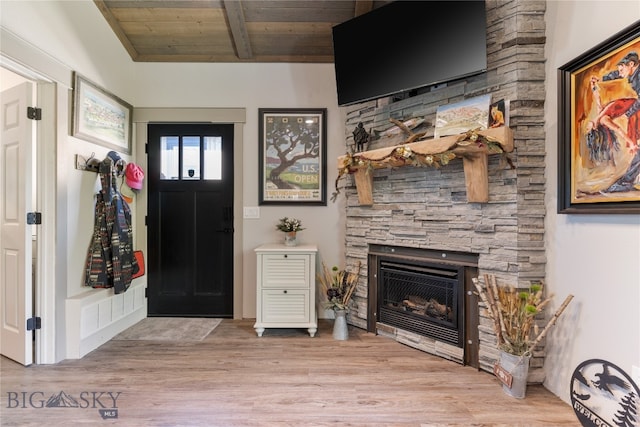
<point x="251" y="212"/>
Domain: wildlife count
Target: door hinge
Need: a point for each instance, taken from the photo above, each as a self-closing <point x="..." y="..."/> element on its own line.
<point x="146" y="148"/>
<point x="34" y="323"/>
<point x="34" y="113"/>
<point x="145" y="220"/>
<point x="34" y="218"/>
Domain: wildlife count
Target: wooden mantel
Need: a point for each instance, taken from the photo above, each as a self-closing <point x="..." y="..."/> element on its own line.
<point x="474" y="156"/>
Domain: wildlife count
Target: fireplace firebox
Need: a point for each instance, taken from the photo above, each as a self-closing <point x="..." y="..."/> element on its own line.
<point x="422" y="298"/>
<point x="425" y="292"/>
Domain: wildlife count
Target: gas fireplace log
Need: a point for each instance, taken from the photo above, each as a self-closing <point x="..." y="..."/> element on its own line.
<point x="429" y="308"/>
<point x="439" y="309"/>
<point x="408" y="304"/>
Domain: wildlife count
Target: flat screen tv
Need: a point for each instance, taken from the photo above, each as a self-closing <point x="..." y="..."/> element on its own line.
<point x="406" y="45"/>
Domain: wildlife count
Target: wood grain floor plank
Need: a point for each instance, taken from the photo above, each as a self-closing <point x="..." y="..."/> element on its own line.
<point x="233" y="378"/>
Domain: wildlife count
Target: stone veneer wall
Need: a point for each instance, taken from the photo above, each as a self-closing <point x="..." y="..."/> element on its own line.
<point x="427" y="208"/>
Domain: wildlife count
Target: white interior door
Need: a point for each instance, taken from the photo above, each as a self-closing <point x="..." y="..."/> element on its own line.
<point x="15" y="235"/>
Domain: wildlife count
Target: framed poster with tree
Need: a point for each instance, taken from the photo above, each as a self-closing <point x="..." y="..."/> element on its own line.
<point x="293" y="156"/>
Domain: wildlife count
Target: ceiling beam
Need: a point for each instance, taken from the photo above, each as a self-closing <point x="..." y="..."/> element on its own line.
<point x="238" y="27"/>
<point x="362" y="7"/>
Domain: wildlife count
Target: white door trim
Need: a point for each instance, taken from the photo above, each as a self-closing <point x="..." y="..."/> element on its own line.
<point x="46" y="196"/>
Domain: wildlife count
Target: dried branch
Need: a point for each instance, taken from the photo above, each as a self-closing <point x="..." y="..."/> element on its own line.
<point x="492" y="314"/>
<point x="552" y="321"/>
<point x="352" y="281"/>
<point x="494" y="300"/>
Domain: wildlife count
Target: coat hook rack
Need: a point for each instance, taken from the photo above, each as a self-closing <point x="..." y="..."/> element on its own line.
<point x="90" y="164"/>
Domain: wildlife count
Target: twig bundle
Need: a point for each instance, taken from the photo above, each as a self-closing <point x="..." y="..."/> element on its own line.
<point x="513" y="313"/>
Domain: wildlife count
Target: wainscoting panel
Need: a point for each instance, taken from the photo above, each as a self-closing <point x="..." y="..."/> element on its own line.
<point x="96" y="316"/>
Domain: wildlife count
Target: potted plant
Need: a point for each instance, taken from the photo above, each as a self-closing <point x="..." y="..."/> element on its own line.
<point x="290" y="226"/>
<point x="517" y="330"/>
<point x="338" y="286"/>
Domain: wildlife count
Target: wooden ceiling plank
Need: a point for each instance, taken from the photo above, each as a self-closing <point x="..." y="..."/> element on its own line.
<point x="187" y="58"/>
<point x="235" y="17"/>
<point x="284" y="42"/>
<point x="291" y="28"/>
<point x="274" y="53"/>
<point x="298" y="11"/>
<point x="362" y="7"/>
<point x="115" y="26"/>
<point x="234" y="58"/>
<point x="210" y="51"/>
<point x="319" y="59"/>
<point x="145" y="44"/>
<point x="169" y="15"/>
<point x="300" y="4"/>
<point x="169" y="29"/>
<point x="161" y="4"/>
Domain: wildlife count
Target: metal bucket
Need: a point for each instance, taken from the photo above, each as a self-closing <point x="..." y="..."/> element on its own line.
<point x="518" y="367"/>
<point x="340" y="329"/>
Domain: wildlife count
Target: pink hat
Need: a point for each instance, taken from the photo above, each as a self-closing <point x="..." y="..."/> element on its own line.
<point x="133" y="176"/>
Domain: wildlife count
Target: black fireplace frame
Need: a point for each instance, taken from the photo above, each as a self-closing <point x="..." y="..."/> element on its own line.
<point x="466" y="263"/>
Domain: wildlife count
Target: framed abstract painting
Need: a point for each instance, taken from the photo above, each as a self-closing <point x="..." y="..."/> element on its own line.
<point x="599" y="128"/>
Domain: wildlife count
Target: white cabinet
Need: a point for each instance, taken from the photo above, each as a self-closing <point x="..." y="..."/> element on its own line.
<point x="286" y="287"/>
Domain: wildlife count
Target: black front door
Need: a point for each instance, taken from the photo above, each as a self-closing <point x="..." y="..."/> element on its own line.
<point x="190" y="220"/>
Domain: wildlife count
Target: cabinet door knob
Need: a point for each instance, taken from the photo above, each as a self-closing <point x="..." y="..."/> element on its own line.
<point x="285" y="255"/>
<point x="284" y="292"/>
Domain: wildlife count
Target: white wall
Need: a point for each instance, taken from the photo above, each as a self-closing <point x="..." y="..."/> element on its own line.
<point x="594" y="257"/>
<point x="75" y="34"/>
<point x="254" y="86"/>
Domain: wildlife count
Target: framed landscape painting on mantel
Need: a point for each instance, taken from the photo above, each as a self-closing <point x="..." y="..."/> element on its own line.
<point x="101" y="117"/>
<point x="463" y="116"/>
<point x="292" y="156"/>
<point x="599" y="128"/>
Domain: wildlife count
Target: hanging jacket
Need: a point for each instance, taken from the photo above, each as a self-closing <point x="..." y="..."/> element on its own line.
<point x="110" y="260"/>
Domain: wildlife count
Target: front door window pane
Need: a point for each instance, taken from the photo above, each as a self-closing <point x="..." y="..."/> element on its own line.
<point x="169" y="157"/>
<point x="191" y="157"/>
<point x="190" y="152"/>
<point x="212" y="157"/>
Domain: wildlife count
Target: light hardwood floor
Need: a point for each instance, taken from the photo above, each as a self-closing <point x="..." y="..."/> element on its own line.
<point x="233" y="378"/>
